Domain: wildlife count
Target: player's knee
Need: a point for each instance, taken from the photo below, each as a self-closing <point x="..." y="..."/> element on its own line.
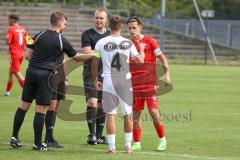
<point x="136" y="125"/>
<point x="25" y="106"/>
<point x="136" y="121"/>
<point x="51" y="108"/>
<point x="42" y="109"/>
<point x="155" y="116"/>
<point x="18" y="74"/>
<point x="53" y="105"/>
<point x="92" y="102"/>
<point x="10" y="80"/>
<point x="136" y="115"/>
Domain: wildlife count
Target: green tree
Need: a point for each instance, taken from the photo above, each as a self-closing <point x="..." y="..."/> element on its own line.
<point x="186" y="7"/>
<point x="147" y="8"/>
<point x="225" y="9"/>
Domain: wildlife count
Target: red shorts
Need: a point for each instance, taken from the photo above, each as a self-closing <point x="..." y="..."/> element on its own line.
<point x="148" y="94"/>
<point x="15" y="63"/>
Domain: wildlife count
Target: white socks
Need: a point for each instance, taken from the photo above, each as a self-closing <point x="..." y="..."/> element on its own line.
<point x="111" y="141"/>
<point x="128" y="139"/>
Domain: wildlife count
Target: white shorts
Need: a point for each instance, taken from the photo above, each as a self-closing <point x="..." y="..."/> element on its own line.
<point x="115" y="91"/>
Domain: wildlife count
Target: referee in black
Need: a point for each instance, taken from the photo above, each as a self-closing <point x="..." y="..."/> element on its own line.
<point x="58" y="84"/>
<point x="45" y="54"/>
<point x="94" y="114"/>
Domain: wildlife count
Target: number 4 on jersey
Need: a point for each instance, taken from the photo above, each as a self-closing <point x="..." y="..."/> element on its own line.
<point x="116" y="62"/>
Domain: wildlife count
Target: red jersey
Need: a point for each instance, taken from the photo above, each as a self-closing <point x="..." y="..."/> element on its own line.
<point x="16" y="40"/>
<point x="144" y="75"/>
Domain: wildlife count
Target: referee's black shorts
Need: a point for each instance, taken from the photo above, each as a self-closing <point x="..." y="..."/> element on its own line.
<point x="36" y="86"/>
<point x="60" y="94"/>
<point x="56" y="82"/>
<point x="90" y="89"/>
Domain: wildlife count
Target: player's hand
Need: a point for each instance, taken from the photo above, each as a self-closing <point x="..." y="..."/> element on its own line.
<point x="66" y="85"/>
<point x="98" y="85"/>
<point x="141" y="45"/>
<point x="167" y="80"/>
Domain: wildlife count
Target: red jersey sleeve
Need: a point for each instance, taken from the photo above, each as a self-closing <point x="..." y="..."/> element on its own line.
<point x="9" y="36"/>
<point x="155" y="47"/>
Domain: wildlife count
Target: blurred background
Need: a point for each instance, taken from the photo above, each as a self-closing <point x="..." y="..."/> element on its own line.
<point x="188" y="31"/>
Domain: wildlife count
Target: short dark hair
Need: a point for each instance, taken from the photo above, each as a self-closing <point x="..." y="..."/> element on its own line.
<point x="56" y="17"/>
<point x="116" y="23"/>
<point x="134" y="19"/>
<point x="13" y="17"/>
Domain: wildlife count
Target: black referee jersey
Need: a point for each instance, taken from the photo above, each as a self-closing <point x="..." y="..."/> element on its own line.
<point x="48" y="49"/>
<point x="89" y="39"/>
<point x="47" y="56"/>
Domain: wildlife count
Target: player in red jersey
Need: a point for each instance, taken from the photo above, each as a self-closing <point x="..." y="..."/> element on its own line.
<point x="144" y="81"/>
<point x="15" y="39"/>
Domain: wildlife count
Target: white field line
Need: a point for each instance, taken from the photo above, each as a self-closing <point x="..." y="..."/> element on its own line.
<point x="176" y="155"/>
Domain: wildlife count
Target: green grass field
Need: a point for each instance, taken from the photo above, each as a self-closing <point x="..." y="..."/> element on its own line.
<point x="201" y="117"/>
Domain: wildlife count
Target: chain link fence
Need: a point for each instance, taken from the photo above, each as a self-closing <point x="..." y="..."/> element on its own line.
<point x="221" y="32"/>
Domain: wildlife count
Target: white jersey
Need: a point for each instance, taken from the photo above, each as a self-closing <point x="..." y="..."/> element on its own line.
<point x="115" y="52"/>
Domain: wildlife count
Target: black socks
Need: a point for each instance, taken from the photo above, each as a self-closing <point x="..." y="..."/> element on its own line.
<point x="91" y="119"/>
<point x="18" y="120"/>
<point x="100" y="122"/>
<point x="49" y="123"/>
<point x="97" y="119"/>
<point x="38" y="124"/>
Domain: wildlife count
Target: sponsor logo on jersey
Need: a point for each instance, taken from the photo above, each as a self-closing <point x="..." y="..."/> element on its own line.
<point x="154" y="98"/>
<point x="124" y="45"/>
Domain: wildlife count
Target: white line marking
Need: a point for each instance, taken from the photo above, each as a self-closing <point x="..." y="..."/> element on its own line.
<point x="176" y="155"/>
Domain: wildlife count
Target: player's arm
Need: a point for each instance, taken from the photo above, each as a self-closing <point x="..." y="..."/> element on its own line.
<point x="94" y="65"/>
<point x="141" y="57"/>
<point x="86" y="43"/>
<point x="159" y="54"/>
<point x="164" y="63"/>
<point x="82" y="57"/>
<point x="138" y="57"/>
<point x="28" y="54"/>
<point x="9" y="37"/>
<point x="72" y="53"/>
<point x="65" y="74"/>
<point x="87" y="50"/>
<point x="30" y="45"/>
<point x="94" y="70"/>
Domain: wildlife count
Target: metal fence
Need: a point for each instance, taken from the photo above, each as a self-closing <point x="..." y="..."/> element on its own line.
<point x="223" y="32"/>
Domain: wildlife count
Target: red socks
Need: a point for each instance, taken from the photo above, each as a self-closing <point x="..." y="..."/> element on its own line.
<point x="9" y="87"/>
<point x="137" y="135"/>
<point x="160" y="130"/>
<point x="21" y="82"/>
